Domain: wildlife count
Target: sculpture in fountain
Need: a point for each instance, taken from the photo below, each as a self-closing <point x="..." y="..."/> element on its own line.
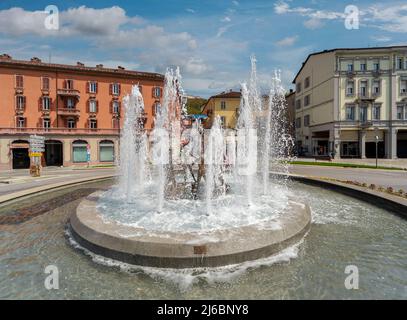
<point x="191" y="197"/>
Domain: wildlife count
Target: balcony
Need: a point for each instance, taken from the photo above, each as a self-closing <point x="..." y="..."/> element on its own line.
<point x="20" y="110"/>
<point x="66" y="131"/>
<point x="366" y="97"/>
<point x="73" y="112"/>
<point x="69" y="93"/>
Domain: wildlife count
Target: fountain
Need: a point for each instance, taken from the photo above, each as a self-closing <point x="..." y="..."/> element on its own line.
<point x="190" y="197"/>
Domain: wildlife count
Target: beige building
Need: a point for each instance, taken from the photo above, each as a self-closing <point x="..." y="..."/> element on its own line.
<point x="346" y="100"/>
<point x="226" y="105"/>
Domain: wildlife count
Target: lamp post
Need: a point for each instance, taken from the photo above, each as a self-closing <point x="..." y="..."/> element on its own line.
<point x="377" y="141"/>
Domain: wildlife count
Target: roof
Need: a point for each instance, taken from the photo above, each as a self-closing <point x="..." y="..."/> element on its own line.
<point x="35" y="63"/>
<point x="229" y="94"/>
<point x="344" y="49"/>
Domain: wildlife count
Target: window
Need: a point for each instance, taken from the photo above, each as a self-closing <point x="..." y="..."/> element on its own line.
<point x="46" y="123"/>
<point x="115" y="106"/>
<point x="307" y="82"/>
<point x="115" y="88"/>
<point x="403" y="87"/>
<point x="350" y="67"/>
<point x="79" y="151"/>
<point x="223" y="120"/>
<point x="363" y="88"/>
<point x="20" y="102"/>
<point x="363" y="113"/>
<point x="71" y="123"/>
<point x="350" y="112"/>
<point x="399" y="63"/>
<point x="306" y="120"/>
<point x="376" y="111"/>
<point x="350" y="88"/>
<point x="45" y="83"/>
<point x="106" y="151"/>
<point x="298" y="123"/>
<point x="20" y="122"/>
<point x="19" y="81"/>
<point x="69" y="84"/>
<point x="70" y="103"/>
<point x="298" y="87"/>
<point x="46" y="103"/>
<point x="400" y="112"/>
<point x="307" y="100"/>
<point x="93" y="124"/>
<point x="92" y="106"/>
<point x="376" y="66"/>
<point x="363" y="67"/>
<point x="223" y="105"/>
<point x="298" y="104"/>
<point x="376" y="87"/>
<point x="93" y="87"/>
<point x="157" y="108"/>
<point x="156" y="92"/>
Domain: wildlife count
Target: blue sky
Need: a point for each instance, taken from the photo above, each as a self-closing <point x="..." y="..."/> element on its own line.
<point x="211" y="41"/>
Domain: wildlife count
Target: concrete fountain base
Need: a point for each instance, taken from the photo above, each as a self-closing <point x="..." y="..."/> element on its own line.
<point x="186" y="250"/>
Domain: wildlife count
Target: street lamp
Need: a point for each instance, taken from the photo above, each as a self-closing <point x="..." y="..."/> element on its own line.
<point x="377" y="141"/>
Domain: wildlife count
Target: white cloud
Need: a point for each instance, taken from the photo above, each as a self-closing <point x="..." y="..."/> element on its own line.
<point x="286" y="42"/>
<point x="381" y="38"/>
<point x="190" y="10"/>
<point x="389" y="17"/>
<point x="236" y="3"/>
<point x="74" y="21"/>
<point x="226" y="19"/>
<point x="313" y="23"/>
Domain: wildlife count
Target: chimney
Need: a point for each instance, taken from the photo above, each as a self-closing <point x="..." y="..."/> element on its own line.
<point x="80" y="64"/>
<point x="121" y="68"/>
<point x="5" y="56"/>
<point x="35" y="59"/>
<point x="99" y="66"/>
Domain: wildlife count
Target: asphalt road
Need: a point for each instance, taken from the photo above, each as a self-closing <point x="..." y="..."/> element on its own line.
<point x="19" y="180"/>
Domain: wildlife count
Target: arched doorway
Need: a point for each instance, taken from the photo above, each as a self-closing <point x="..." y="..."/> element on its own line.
<point x="21" y="159"/>
<point x="53" y="153"/>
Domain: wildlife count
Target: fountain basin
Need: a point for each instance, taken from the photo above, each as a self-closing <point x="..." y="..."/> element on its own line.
<point x="138" y="246"/>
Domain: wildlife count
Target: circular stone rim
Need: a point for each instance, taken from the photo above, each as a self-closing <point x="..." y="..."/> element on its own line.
<point x="138" y="246"/>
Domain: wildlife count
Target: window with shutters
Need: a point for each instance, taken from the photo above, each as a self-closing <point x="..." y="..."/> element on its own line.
<point x="69" y="84"/>
<point x="46" y="103"/>
<point x="20" y="122"/>
<point x="93" y="87"/>
<point x="45" y="83"/>
<point x="115" y="89"/>
<point x="92" y="106"/>
<point x="71" y="123"/>
<point x="19" y="81"/>
<point x="156" y="92"/>
<point x="20" y="102"/>
<point x="93" y="124"/>
<point x="115" y="107"/>
<point x="46" y="123"/>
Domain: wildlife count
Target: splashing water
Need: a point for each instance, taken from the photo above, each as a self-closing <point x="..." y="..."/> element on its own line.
<point x="201" y="179"/>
